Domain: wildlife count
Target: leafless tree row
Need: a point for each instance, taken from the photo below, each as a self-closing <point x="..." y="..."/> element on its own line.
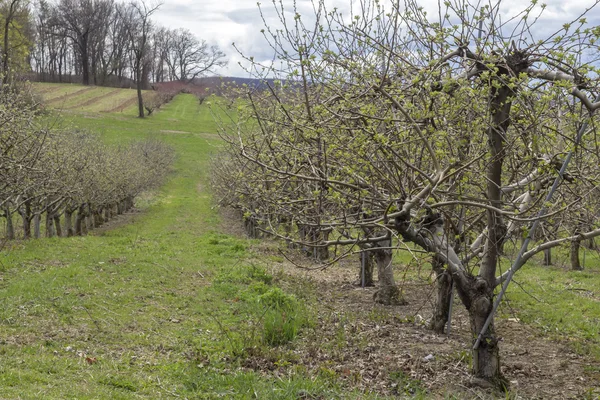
<point x="442" y="133"/>
<point x="67" y="182"/>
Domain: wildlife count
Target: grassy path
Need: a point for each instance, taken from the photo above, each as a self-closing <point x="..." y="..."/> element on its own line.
<point x="145" y="310"/>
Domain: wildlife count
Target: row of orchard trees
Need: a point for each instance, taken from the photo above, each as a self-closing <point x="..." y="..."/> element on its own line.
<point x="66" y="180"/>
<point x="444" y="134"/>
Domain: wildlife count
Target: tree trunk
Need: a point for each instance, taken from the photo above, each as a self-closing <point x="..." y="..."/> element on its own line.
<point x="98" y="219"/>
<point x="69" y="222"/>
<point x="139" y="88"/>
<point x="592" y="244"/>
<point x="89" y="222"/>
<point x="575" y="264"/>
<point x="26" y="217"/>
<point x="79" y="221"/>
<point x="303" y="233"/>
<point x="311" y="237"/>
<point x="548" y="257"/>
<point x="486" y="358"/>
<point x="443" y="282"/>
<point x="10" y="229"/>
<point x="365" y="279"/>
<point x="49" y="224"/>
<point x="486" y="362"/>
<point x="85" y="60"/>
<point x="251" y="227"/>
<point x="57" y="225"/>
<point x="388" y="293"/>
<point x="322" y="253"/>
<point x="36" y="225"/>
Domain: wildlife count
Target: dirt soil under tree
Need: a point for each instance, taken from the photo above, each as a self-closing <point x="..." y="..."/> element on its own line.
<point x="390" y="351"/>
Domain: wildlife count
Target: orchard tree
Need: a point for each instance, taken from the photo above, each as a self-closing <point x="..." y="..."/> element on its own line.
<point x="450" y="132"/>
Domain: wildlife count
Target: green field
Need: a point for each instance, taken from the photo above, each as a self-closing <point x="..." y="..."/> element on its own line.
<point x="167" y="305"/>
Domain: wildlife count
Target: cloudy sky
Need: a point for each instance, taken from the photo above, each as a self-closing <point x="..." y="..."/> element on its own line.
<point x="223" y="22"/>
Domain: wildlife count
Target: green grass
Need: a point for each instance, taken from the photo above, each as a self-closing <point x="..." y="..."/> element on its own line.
<point x="562" y="304"/>
<point x="164" y="306"/>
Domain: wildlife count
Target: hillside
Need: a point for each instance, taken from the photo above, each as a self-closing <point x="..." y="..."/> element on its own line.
<point x="79" y="98"/>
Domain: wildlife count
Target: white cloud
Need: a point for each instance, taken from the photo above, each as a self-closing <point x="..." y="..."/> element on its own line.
<point x="224" y="22"/>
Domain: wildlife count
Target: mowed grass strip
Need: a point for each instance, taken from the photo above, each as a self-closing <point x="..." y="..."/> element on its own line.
<point x="76" y="97"/>
<point x="76" y="100"/>
<point x="97" y="97"/>
<point x="125" y="105"/>
<point x="52" y="90"/>
<point x="72" y="93"/>
<point x="165" y="306"/>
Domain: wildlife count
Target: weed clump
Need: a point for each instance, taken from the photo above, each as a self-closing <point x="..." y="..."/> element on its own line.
<point x="284" y="317"/>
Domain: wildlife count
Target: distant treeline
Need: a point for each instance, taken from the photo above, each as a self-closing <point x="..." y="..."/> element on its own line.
<point x="99" y="42"/>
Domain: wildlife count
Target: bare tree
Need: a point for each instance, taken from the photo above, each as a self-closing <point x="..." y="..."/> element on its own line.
<point x="81" y="22"/>
<point x="188" y="57"/>
<point x="139" y="28"/>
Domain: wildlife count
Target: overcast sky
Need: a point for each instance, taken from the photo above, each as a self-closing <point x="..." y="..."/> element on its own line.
<point x="223" y="22"/>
